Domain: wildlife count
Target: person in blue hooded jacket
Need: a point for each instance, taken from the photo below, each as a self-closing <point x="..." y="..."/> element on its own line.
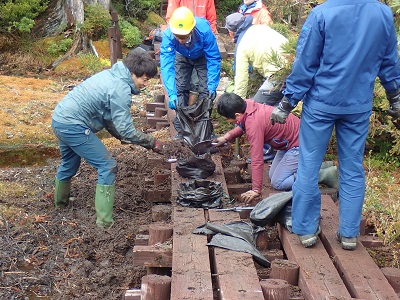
<point x="101" y="101"/>
<point x="343" y="46"/>
<point x="188" y="44"/>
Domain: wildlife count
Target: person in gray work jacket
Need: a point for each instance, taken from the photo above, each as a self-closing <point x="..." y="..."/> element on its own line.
<point x="343" y="46"/>
<point x="101" y="101"/>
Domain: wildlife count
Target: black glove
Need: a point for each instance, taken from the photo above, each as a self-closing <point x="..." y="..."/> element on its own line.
<point x="158" y="147"/>
<point x="394" y="100"/>
<point x="281" y="112"/>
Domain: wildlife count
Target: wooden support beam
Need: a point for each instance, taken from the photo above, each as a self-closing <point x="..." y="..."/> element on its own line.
<point x="359" y="272"/>
<point x="156" y="287"/>
<point x="151" y="256"/>
<point x="235" y="271"/>
<point x="286" y="270"/>
<point x="318" y="278"/>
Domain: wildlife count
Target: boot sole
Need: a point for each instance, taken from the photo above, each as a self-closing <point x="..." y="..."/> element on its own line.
<point x="346" y="245"/>
<point x="311" y="239"/>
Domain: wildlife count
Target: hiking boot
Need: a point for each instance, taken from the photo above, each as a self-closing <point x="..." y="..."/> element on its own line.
<point x="348" y="243"/>
<point x="309" y="240"/>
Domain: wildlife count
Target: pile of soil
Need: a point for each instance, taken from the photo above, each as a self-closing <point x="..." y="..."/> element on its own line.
<point x="61" y="253"/>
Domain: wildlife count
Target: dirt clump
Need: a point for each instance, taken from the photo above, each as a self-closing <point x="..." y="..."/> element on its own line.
<point x="61" y="253"/>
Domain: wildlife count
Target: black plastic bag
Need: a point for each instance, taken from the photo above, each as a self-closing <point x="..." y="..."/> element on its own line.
<point x="237" y="236"/>
<point x="200" y="194"/>
<point x="265" y="212"/>
<point x="284" y="217"/>
<point x="195" y="121"/>
<point x="196" y="166"/>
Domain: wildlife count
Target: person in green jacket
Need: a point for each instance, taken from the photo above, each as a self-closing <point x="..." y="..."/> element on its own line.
<point x="101" y="101"/>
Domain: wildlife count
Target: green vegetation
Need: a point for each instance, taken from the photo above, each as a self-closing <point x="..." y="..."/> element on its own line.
<point x="18" y="16"/>
<point x="97" y="21"/>
<point x="130" y="35"/>
<point x="139" y="9"/>
<point x="382" y="206"/>
<point x="60" y="47"/>
<point x="92" y="62"/>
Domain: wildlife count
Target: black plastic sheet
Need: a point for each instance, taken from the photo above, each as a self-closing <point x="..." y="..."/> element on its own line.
<point x="266" y="211"/>
<point x="237" y="236"/>
<point x="196" y="166"/>
<point x="200" y="194"/>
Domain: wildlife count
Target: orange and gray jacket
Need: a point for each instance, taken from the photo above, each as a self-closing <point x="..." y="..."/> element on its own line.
<point x="200" y="8"/>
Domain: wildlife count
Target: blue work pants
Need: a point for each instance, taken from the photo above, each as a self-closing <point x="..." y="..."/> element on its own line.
<point x="283" y="168"/>
<point x="316" y="128"/>
<point x="77" y="142"/>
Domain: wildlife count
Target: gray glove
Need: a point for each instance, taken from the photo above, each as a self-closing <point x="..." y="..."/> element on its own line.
<point x="281" y="112"/>
<point x="394" y="100"/>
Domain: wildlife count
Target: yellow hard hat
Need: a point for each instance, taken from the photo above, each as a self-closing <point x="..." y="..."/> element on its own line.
<point x="182" y="21"/>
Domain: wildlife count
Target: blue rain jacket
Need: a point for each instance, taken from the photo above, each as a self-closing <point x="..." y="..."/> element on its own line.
<point x="104" y="101"/>
<point x="203" y="43"/>
<point x="339" y="57"/>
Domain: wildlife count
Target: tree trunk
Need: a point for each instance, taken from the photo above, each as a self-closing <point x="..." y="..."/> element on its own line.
<point x="66" y="14"/>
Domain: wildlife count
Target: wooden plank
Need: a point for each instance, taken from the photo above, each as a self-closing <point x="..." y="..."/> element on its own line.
<point x="236" y="274"/>
<point x="191" y="272"/>
<point x="359" y="272"/>
<point x="318" y="277"/>
<point x="221" y="47"/>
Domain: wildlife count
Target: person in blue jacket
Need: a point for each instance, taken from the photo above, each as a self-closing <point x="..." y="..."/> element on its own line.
<point x="101" y="101"/>
<point x="343" y="46"/>
<point x="188" y="44"/>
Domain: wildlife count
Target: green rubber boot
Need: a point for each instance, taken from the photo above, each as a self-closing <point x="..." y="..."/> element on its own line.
<point x="61" y="193"/>
<point x="329" y="176"/>
<point x="104" y="203"/>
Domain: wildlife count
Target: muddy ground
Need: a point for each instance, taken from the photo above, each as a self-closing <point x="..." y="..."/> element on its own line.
<point x="48" y="253"/>
<point x="61" y="253"/>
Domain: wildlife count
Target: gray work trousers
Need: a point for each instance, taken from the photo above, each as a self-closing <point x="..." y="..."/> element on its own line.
<point x="269" y="93"/>
<point x="186" y="71"/>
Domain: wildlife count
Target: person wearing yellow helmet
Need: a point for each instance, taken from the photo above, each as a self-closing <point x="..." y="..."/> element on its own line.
<point x="182" y="21"/>
<point x="188" y="45"/>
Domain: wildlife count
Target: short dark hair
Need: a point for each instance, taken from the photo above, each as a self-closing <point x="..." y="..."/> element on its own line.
<point x="229" y="104"/>
<point x="140" y="63"/>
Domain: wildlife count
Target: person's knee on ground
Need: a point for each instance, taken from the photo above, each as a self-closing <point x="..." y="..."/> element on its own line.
<point x="62" y="192"/>
<point x="281" y="185"/>
<point x="329" y="176"/>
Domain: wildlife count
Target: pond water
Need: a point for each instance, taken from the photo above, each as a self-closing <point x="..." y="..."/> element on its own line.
<point x="26" y="156"/>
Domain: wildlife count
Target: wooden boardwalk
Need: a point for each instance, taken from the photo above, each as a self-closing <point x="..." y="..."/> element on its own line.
<point x="326" y="271"/>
